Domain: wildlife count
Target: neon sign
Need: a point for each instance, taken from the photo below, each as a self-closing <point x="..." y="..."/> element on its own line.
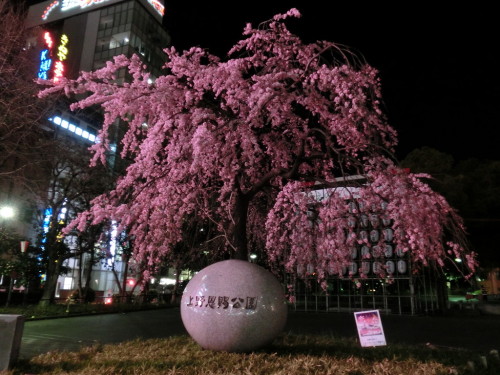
<point x="48" y="39"/>
<point x="62" y="54"/>
<point x="45" y="60"/>
<point x="62" y="50"/>
<point x="157" y="6"/>
<point x="46" y="57"/>
<point x="70" y="4"/>
<point x="49" y="9"/>
<point x="45" y="64"/>
<point x="58" y="70"/>
<point x="66" y="5"/>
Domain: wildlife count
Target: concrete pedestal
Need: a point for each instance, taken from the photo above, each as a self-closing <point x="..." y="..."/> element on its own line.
<point x="11" y="333"/>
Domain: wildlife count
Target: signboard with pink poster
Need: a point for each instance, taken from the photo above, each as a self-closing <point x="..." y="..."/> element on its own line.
<point x="370" y="330"/>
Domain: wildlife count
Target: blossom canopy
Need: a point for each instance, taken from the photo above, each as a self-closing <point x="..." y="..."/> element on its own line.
<point x="240" y="144"/>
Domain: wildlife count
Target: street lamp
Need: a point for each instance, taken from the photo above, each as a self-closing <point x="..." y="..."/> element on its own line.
<point x="7" y="212"/>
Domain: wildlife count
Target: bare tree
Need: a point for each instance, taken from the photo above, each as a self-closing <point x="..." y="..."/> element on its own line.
<point x="23" y="139"/>
<point x="73" y="184"/>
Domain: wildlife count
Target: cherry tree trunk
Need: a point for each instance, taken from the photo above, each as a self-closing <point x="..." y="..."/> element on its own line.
<point x="238" y="233"/>
<point x="49" y="289"/>
<point x="173" y="297"/>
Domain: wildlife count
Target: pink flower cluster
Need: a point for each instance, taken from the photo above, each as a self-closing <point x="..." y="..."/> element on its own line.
<point x="320" y="235"/>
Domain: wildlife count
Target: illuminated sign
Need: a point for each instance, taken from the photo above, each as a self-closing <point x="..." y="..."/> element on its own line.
<point x="66" y="5"/>
<point x="45" y="64"/>
<point x="45" y="60"/>
<point x="62" y="54"/>
<point x="158" y="6"/>
<point x="70" y="4"/>
<point x="48" y="39"/>
<point x="62" y="50"/>
<point x="49" y="9"/>
<point x="58" y="70"/>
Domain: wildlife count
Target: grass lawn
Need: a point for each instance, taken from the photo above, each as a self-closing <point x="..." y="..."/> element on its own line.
<point x="289" y="354"/>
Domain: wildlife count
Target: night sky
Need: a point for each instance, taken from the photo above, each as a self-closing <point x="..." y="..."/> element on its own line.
<point x="440" y="81"/>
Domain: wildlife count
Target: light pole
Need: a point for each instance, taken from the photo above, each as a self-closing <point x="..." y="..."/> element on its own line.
<point x="24" y="247"/>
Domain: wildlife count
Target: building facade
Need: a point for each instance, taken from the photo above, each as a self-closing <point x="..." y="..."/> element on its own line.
<point x="82" y="35"/>
<point x="360" y="286"/>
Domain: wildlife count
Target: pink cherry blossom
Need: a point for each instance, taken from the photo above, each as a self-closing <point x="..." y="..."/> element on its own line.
<point x="240" y="144"/>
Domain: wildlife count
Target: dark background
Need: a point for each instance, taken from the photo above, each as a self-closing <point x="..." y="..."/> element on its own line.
<point x="439" y="77"/>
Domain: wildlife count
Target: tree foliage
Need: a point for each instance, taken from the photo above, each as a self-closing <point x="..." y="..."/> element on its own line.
<point x="240" y="143"/>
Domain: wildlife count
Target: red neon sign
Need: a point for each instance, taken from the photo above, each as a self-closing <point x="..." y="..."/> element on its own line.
<point x="58" y="70"/>
<point x="48" y="39"/>
<point x="49" y="9"/>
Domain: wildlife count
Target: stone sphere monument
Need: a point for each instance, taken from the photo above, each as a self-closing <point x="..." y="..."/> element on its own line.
<point x="234" y="306"/>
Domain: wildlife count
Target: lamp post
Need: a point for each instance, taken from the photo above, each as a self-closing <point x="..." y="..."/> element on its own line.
<point x="24" y="247"/>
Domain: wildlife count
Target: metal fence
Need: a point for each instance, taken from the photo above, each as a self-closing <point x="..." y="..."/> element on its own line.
<point x="403" y="295"/>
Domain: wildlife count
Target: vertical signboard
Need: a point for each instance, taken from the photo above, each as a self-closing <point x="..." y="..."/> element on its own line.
<point x="49" y="69"/>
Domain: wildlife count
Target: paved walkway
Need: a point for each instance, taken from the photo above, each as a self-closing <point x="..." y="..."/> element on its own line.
<point x="472" y="332"/>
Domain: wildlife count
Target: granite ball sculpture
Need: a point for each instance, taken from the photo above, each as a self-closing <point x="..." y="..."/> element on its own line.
<point x="234" y="306"/>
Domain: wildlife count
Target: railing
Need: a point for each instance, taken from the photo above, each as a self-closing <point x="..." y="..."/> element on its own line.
<point x="402" y="296"/>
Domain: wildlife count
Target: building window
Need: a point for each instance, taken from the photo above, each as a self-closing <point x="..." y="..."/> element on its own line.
<point x="68" y="283"/>
<point x="119" y="40"/>
<point x="106" y="22"/>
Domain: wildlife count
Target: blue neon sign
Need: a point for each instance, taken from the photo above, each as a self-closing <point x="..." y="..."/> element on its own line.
<point x="45" y="64"/>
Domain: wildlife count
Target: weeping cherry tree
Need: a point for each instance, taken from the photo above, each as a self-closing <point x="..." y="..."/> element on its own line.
<point x="240" y="144"/>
